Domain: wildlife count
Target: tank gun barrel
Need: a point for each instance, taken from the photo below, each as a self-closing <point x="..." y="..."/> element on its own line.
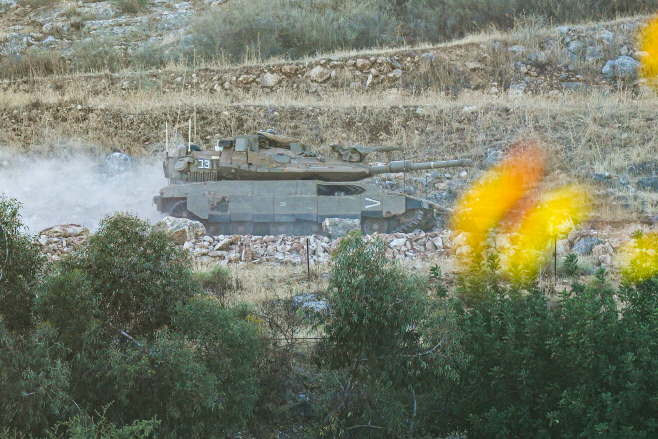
<point x="406" y="166"/>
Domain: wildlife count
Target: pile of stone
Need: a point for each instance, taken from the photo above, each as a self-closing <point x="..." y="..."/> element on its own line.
<point x="59" y="240"/>
<point x="226" y="249"/>
<point x="292" y="249"/>
<point x="584" y="242"/>
<point x="207" y="250"/>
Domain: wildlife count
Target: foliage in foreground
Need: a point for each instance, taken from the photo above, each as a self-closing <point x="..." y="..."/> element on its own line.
<point x="120" y="328"/>
<point x="385" y="339"/>
<point x="585" y="369"/>
<point x="119" y="343"/>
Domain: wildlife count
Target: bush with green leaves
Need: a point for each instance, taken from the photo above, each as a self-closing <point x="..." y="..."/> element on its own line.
<point x="585" y="369"/>
<point x="121" y="328"/>
<point x="262" y="29"/>
<point x="244" y="30"/>
<point x="20" y="264"/>
<point x="384" y="337"/>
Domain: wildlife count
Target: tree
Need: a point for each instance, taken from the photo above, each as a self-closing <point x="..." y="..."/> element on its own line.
<point x="145" y="343"/>
<point x="384" y="336"/>
<point x="20" y="264"/>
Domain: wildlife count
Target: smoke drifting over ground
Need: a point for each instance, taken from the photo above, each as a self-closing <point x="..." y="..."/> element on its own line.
<point x="79" y="190"/>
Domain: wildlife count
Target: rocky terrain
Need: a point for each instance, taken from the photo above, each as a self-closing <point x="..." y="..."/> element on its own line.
<point x="595" y="244"/>
<point x="575" y="88"/>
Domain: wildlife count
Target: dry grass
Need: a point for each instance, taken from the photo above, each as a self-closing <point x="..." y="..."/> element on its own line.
<point x="265" y="282"/>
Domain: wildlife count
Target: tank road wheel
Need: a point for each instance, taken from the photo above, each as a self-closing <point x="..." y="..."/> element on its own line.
<point x="416" y="219"/>
<point x="179" y="210"/>
<point x="371" y="225"/>
<point x="242" y="228"/>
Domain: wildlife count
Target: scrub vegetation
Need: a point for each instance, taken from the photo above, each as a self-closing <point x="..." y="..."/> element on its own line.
<point x="121" y="339"/>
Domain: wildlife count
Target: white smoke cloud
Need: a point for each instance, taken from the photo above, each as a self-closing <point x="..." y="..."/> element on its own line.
<point x="79" y="190"/>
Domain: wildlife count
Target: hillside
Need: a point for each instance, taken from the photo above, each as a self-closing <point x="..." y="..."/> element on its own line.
<point x="572" y="87"/>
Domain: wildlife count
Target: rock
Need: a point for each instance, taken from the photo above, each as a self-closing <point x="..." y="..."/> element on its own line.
<point x="648" y="184"/>
<point x="605" y="36"/>
<point x="398" y="242"/>
<point x="363" y="64"/>
<point x="600" y="249"/>
<point x="605" y="259"/>
<point x="337" y="227"/>
<point x="246" y="79"/>
<point x="224" y="244"/>
<point x="181" y="229"/>
<point x="538" y="58"/>
<point x="575" y="47"/>
<point x="473" y="66"/>
<point x="319" y="74"/>
<point x="65" y="231"/>
<point x="516" y="90"/>
<point x="585" y="245"/>
<point x="623" y="68"/>
<point x="428" y="57"/>
<point x="593" y="53"/>
<point x="270" y="80"/>
<point x="118" y="162"/>
<point x="289" y="70"/>
<point x="397" y="73"/>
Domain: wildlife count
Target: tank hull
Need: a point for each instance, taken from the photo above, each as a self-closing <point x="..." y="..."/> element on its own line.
<point x="293" y="207"/>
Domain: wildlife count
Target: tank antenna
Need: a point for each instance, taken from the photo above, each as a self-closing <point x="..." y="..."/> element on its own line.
<point x="189" y="135"/>
<point x="167" y="137"/>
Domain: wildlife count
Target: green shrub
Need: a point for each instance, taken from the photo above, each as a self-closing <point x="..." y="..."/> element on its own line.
<point x="571" y="264"/>
<point x="143" y="337"/>
<point x="585" y="369"/>
<point x="20" y="264"/>
<point x="34" y="381"/>
<point x="260" y="29"/>
<point x="217" y="281"/>
<point x="384" y="336"/>
<point x="264" y="29"/>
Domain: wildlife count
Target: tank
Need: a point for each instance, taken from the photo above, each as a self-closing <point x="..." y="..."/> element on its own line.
<point x="267" y="184"/>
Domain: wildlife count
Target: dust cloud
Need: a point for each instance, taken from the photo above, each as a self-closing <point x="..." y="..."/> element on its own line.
<point x="79" y="190"/>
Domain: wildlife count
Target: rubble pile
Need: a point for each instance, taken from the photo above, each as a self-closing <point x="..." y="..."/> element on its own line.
<point x="292" y="249"/>
<point x="207" y="250"/>
<point x="57" y="241"/>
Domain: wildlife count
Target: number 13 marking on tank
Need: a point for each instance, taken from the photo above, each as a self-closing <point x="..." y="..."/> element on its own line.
<point x="203" y="164"/>
<point x="375" y="203"/>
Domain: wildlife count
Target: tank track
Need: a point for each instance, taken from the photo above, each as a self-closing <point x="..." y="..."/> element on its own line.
<point x="423" y="218"/>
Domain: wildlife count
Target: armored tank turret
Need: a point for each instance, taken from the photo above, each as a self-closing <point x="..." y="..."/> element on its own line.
<point x="269" y="184"/>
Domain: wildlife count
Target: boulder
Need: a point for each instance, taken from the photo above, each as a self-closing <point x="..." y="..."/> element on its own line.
<point x="319" y="74"/>
<point x="622" y="68"/>
<point x="337" y="227"/>
<point x="270" y="79"/>
<point x="363" y="64"/>
<point x="585" y="245"/>
<point x="181" y="230"/>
